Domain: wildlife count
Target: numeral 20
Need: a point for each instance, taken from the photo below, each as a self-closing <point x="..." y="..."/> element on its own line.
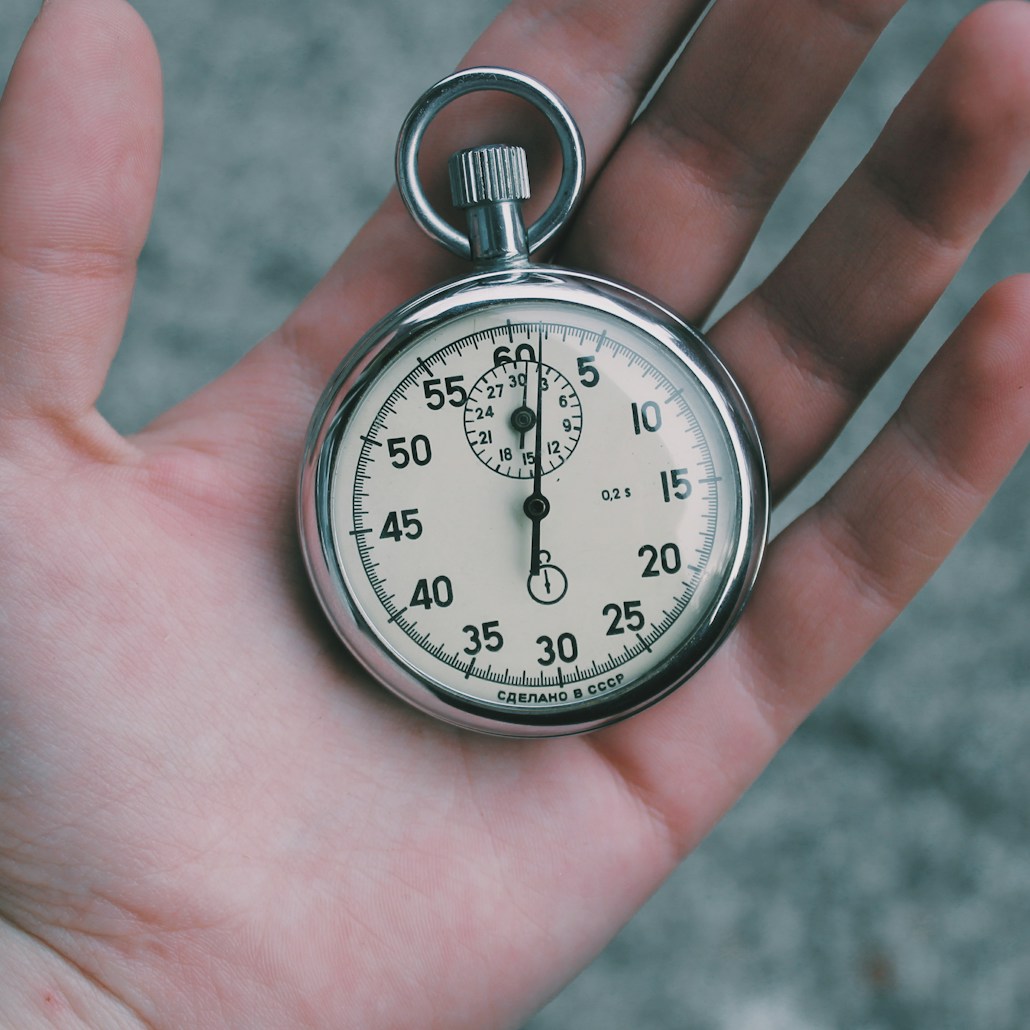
<point x="660" y="559"/>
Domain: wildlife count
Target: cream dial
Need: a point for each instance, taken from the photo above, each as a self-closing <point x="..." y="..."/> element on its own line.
<point x="520" y="593"/>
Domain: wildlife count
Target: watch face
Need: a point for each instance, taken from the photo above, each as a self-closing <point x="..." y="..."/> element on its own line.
<point x="538" y="508"/>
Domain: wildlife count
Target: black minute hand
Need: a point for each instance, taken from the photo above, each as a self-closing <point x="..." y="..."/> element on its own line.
<point x="537" y="506"/>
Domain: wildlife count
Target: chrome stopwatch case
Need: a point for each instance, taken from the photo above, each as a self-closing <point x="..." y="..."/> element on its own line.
<point x="533" y="501"/>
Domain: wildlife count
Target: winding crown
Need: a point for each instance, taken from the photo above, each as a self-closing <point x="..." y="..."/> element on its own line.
<point x="489" y="174"/>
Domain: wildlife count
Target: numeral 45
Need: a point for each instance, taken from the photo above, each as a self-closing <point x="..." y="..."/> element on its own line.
<point x="402" y="523"/>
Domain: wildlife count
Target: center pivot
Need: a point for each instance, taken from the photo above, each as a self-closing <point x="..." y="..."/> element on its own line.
<point x="536" y="507"/>
<point x="523" y="419"/>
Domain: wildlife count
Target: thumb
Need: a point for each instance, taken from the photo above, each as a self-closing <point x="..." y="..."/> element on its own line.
<point x="80" y="140"/>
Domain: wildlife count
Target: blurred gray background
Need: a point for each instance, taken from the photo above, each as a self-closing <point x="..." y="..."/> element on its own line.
<point x="878" y="875"/>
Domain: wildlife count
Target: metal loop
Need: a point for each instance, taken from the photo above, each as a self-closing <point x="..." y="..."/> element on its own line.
<point x="474" y="80"/>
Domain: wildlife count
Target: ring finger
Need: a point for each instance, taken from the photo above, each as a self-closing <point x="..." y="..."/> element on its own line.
<point x="813" y="338"/>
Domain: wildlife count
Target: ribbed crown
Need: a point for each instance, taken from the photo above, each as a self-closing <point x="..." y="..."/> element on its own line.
<point x="488" y="174"/>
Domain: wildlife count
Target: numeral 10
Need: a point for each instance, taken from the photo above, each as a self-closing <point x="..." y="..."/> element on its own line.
<point x="647" y="417"/>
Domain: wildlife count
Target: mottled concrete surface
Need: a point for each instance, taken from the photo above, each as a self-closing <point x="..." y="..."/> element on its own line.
<point x="877" y="875"/>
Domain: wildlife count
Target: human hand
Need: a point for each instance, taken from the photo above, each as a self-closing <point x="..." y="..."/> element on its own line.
<point x="208" y="815"/>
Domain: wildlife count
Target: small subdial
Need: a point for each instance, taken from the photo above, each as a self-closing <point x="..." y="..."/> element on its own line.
<point x="504" y="408"/>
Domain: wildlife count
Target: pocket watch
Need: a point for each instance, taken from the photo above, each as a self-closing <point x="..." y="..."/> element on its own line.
<point x="532" y="500"/>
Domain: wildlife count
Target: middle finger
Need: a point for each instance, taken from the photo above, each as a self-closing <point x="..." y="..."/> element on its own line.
<point x="678" y="205"/>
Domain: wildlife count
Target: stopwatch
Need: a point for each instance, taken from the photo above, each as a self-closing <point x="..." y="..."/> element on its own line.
<point x="532" y="500"/>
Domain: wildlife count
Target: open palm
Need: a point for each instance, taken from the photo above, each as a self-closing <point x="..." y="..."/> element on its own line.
<point x="208" y="815"/>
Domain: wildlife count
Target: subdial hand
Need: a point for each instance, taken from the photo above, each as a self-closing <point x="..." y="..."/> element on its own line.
<point x="523" y="420"/>
<point x="500" y="414"/>
<point x="550" y="584"/>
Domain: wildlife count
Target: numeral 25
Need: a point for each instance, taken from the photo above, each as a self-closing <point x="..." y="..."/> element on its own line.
<point x="628" y="612"/>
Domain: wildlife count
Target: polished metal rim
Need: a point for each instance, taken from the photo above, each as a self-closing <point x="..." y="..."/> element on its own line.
<point x="371" y="357"/>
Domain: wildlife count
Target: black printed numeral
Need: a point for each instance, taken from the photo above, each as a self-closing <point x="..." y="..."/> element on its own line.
<point x="647" y="417"/>
<point x="564" y="648"/>
<point x="402" y="523"/>
<point x="523" y="352"/>
<point x="675" y="485"/>
<point x="588" y="374"/>
<point x="485" y="635"/>
<point x="624" y="616"/>
<point x="665" y="558"/>
<point x="452" y="393"/>
<point x="403" y="452"/>
<point x="439" y="592"/>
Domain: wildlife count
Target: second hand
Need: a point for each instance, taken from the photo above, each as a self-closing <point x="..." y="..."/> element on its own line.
<point x="537" y="506"/>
